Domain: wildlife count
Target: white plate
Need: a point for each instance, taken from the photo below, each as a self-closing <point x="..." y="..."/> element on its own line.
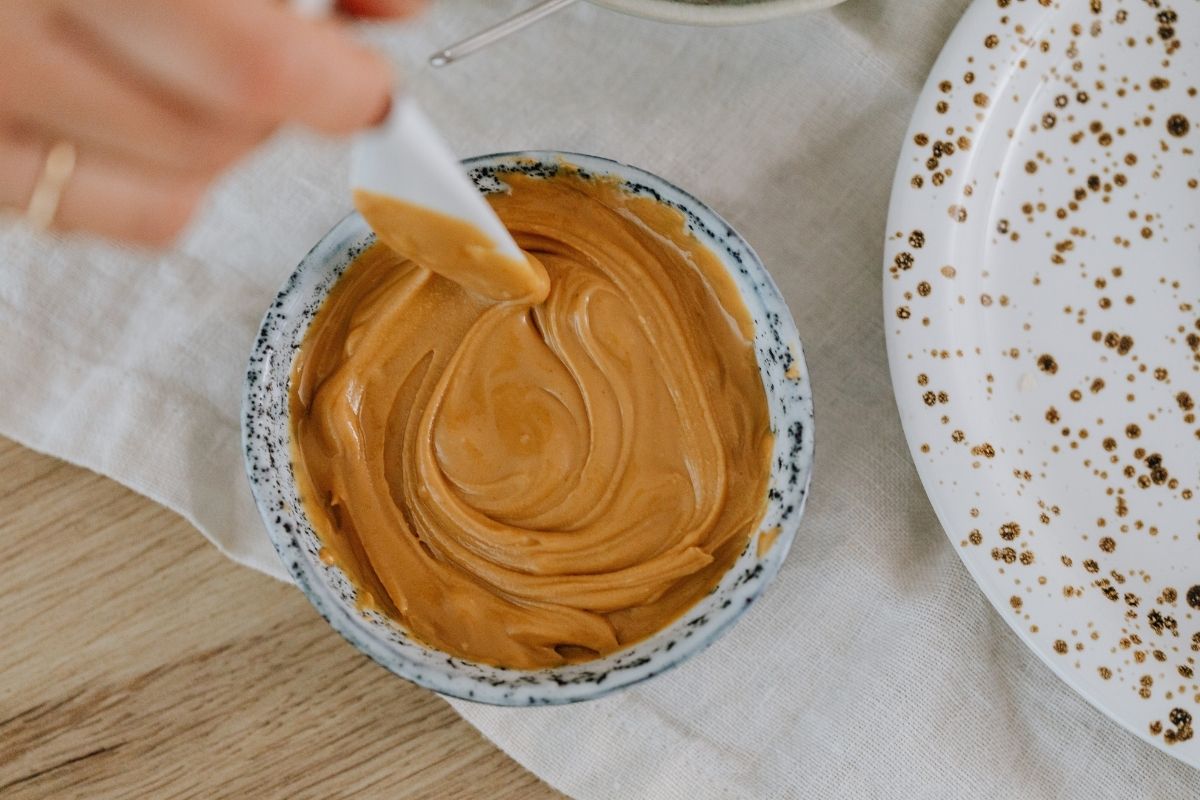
<point x="1042" y="308"/>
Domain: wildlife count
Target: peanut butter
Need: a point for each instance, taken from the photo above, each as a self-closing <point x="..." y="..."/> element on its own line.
<point x="453" y="248"/>
<point x="530" y="485"/>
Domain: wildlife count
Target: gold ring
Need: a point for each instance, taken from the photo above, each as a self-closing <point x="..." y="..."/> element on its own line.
<point x="47" y="192"/>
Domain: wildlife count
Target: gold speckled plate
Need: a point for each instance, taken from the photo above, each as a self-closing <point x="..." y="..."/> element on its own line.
<point x="1042" y="307"/>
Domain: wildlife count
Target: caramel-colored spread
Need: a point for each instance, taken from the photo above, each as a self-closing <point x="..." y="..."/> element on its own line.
<point x="530" y="485"/>
<point x="453" y="248"/>
<point x="767" y="539"/>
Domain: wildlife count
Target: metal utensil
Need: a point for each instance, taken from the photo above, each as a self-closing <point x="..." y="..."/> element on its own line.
<point x="495" y="33"/>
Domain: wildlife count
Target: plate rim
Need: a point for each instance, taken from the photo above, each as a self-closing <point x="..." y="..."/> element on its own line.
<point x="714" y="15"/>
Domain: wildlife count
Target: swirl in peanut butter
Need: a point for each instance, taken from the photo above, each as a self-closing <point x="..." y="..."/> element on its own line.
<point x="533" y="485"/>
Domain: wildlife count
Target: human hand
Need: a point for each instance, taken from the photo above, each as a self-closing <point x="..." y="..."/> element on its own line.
<point x="158" y="97"/>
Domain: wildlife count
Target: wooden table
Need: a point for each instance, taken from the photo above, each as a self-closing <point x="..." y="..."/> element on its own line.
<point x="136" y="661"/>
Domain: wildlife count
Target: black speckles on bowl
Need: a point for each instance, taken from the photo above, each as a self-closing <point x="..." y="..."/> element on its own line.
<point x="266" y="441"/>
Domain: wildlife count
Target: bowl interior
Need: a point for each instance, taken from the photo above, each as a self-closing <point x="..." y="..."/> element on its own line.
<point x="268" y="461"/>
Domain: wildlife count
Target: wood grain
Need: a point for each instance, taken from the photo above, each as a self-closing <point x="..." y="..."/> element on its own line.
<point x="137" y="662"/>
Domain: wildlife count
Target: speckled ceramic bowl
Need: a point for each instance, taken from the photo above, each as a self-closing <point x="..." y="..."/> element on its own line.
<point x="265" y="431"/>
<point x="715" y="12"/>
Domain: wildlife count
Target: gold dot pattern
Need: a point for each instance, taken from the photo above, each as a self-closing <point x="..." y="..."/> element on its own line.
<point x="1043" y="315"/>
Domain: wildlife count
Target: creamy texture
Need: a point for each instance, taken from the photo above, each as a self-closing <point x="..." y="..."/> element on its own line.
<point x="533" y="485"/>
<point x="453" y="248"/>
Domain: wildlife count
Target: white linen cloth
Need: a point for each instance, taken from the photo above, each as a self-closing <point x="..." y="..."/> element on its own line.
<point x="873" y="667"/>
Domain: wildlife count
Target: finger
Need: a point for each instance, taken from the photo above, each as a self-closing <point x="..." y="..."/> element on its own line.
<point x="381" y="8"/>
<point x="248" y="58"/>
<point x="102" y="196"/>
<point x="102" y="113"/>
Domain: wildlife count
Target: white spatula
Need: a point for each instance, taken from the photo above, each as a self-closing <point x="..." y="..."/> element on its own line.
<point x="415" y="195"/>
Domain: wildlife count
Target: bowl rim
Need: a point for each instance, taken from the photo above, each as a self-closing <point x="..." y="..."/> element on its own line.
<point x="694" y="14"/>
<point x="352" y="628"/>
